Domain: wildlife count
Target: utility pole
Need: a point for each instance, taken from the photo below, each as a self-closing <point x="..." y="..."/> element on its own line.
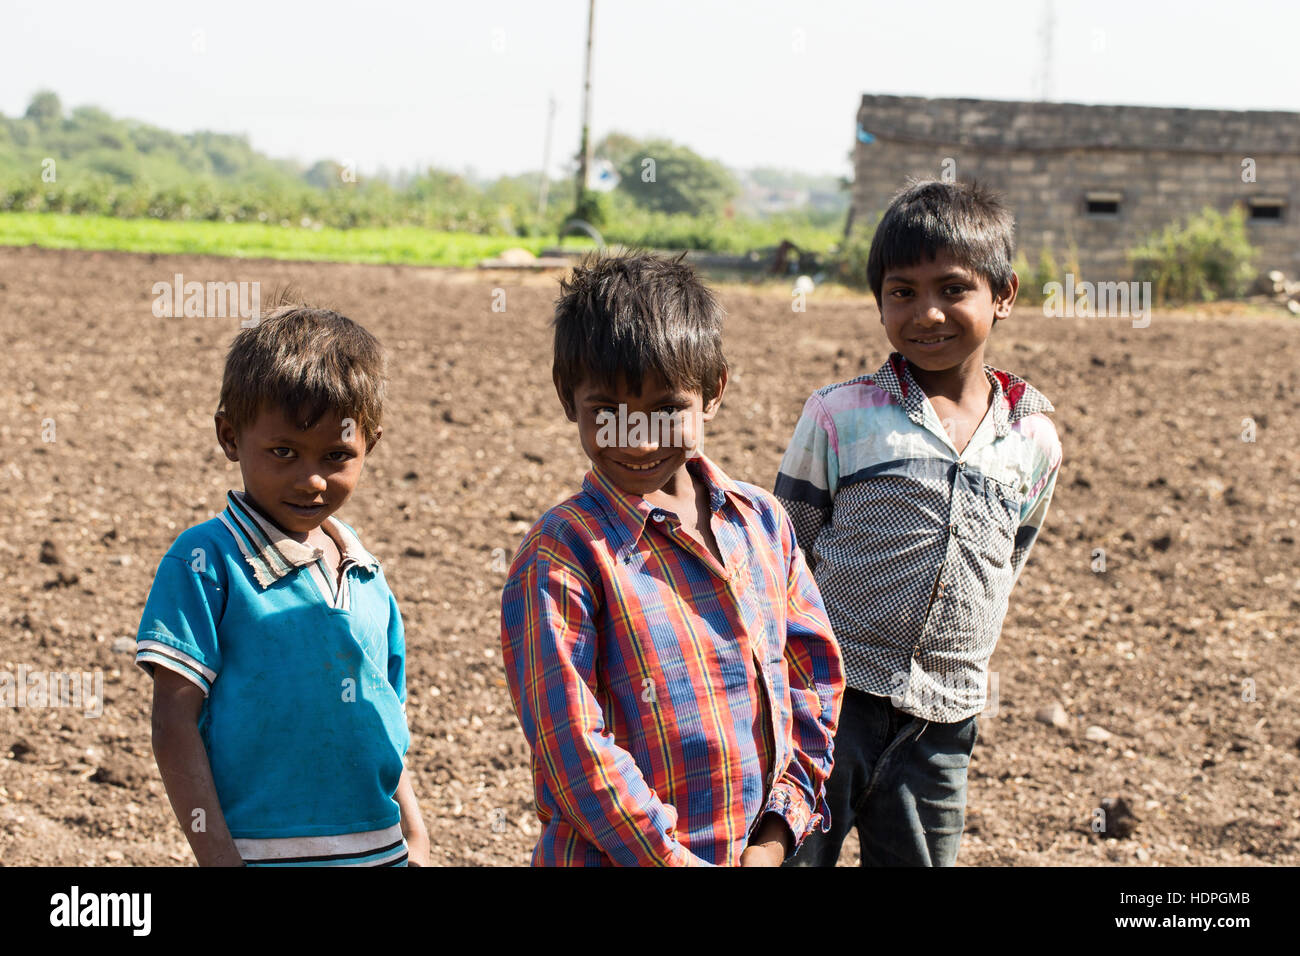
<point x="545" y="186"/>
<point x="1047" y="49"/>
<point x="584" y="153"/>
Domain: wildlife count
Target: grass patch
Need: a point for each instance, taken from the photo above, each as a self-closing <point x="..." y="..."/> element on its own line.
<point x="399" y="245"/>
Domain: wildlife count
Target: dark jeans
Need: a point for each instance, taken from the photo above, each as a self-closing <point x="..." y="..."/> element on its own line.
<point x="900" y="780"/>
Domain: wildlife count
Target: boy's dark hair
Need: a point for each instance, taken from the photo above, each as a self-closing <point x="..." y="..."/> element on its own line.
<point x="969" y="221"/>
<point x="305" y="361"/>
<point x="622" y="316"/>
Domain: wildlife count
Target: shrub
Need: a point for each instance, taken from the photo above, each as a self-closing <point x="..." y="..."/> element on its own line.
<point x="1047" y="271"/>
<point x="1208" y="257"/>
<point x="849" y="262"/>
<point x="1027" y="295"/>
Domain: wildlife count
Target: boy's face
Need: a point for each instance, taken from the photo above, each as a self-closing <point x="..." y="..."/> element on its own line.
<point x="643" y="444"/>
<point x="938" y="314"/>
<point x="297" y="477"/>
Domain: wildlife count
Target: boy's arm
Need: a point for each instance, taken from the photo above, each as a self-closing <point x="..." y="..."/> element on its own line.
<point x="186" y="772"/>
<point x="816" y="692"/>
<point x="417" y="837"/>
<point x="177" y="645"/>
<point x="549" y="648"/>
<point x="1034" y="511"/>
<point x="809" y="474"/>
<point x="413" y="829"/>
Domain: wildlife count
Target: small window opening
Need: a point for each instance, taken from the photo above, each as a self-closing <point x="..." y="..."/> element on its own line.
<point x="1265" y="210"/>
<point x="1102" y="205"/>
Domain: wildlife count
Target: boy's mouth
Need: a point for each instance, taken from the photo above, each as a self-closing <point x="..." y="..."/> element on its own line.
<point x="305" y="511"/>
<point x="641" y="468"/>
<point x="939" y="338"/>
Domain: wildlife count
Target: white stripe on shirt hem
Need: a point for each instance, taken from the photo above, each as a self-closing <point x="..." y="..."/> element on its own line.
<point x="269" y="850"/>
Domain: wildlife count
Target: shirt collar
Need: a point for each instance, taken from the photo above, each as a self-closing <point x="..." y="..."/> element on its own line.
<point x="272" y="554"/>
<point x="629" y="513"/>
<point x="1013" y="397"/>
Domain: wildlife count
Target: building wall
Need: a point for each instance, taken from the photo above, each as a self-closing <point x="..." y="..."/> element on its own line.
<point x="1045" y="157"/>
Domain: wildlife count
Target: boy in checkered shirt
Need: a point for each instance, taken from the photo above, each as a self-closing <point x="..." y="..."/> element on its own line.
<point x="665" y="647"/>
<point x="916" y="493"/>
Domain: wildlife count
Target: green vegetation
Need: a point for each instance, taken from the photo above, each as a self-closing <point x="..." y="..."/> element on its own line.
<point x="849" y="263"/>
<point x="89" y="180"/>
<point x="664" y="177"/>
<point x="627" y="225"/>
<point x="1034" y="279"/>
<point x="88" y="163"/>
<point x="1208" y="257"/>
<point x="1205" y="258"/>
<point x="407" y="245"/>
<point x="396" y="244"/>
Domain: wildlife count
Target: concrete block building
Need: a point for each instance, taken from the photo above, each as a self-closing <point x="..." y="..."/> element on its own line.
<point x="1093" y="179"/>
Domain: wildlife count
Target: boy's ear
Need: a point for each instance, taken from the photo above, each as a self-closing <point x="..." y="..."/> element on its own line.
<point x="570" y="411"/>
<point x="379" y="433"/>
<point x="1002" y="303"/>
<point x="226" y="437"/>
<point x="711" y="408"/>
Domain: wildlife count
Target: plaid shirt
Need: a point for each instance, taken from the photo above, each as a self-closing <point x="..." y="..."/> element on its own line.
<point x="916" y="546"/>
<point x="670" y="702"/>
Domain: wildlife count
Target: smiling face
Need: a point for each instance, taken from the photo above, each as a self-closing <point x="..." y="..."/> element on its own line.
<point x="643" y="446"/>
<point x="938" y="314"/>
<point x="297" y="477"/>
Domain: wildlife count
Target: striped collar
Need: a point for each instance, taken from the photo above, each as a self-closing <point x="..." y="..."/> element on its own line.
<point x="629" y="512"/>
<point x="1013" y="397"/>
<point x="272" y="554"/>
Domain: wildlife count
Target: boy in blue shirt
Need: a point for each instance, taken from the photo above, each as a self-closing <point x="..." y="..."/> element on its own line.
<point x="916" y="493"/>
<point x="275" y="645"/>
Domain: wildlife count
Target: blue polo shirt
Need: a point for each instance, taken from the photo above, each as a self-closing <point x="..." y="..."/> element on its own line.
<point x="304" y="682"/>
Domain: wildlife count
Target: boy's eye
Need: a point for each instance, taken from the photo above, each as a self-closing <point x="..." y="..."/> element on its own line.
<point x="900" y="293"/>
<point x="288" y="452"/>
<point x="347" y="455"/>
<point x="954" y="290"/>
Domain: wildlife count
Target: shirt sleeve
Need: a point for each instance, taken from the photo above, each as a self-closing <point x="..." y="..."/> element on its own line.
<point x="549" y="644"/>
<point x="816" y="694"/>
<point x="178" y="629"/>
<point x="809" y="474"/>
<point x="1034" y="511"/>
<point x="396" y="650"/>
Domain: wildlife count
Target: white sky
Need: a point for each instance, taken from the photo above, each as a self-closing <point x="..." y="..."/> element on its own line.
<point x="464" y="83"/>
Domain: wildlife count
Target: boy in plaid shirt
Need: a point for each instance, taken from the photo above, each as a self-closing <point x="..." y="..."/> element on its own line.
<point x="665" y="647"/>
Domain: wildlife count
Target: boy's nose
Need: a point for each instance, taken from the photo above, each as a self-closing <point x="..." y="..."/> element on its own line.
<point x="647" y="442"/>
<point x="312" y="482"/>
<point x="930" y="315"/>
<point x="645" y="438"/>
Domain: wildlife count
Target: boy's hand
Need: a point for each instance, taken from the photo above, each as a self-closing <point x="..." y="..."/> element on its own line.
<point x="417" y="837"/>
<point x="770" y="843"/>
<point x="763" y="854"/>
<point x="417" y="851"/>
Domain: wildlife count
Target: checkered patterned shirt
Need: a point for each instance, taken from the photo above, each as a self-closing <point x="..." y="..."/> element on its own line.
<point x="916" y="546"/>
<point x="670" y="702"/>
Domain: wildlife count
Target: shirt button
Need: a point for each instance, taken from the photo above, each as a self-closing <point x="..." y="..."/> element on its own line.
<point x="658" y="516"/>
<point x="953" y="529"/>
